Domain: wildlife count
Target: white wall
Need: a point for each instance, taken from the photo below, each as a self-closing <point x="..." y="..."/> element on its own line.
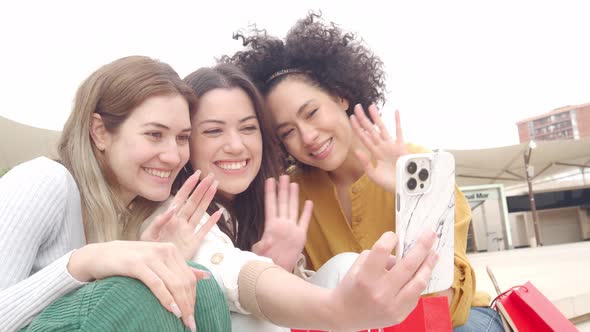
<point x="559" y="226"/>
<point x="518" y="229"/>
<point x="556" y="226"/>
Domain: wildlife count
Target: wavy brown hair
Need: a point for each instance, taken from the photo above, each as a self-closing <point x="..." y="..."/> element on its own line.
<point x="247" y="208"/>
<point x="113" y="91"/>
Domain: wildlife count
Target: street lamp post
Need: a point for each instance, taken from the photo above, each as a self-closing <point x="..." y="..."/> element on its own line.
<point x="529" y="174"/>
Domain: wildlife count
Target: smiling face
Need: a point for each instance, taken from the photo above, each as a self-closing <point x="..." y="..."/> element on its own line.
<point x="149" y="148"/>
<point x="312" y="124"/>
<point x="226" y="140"/>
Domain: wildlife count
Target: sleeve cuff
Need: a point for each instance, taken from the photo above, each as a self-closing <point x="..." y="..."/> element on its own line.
<point x="66" y="259"/>
<point x="247" y="281"/>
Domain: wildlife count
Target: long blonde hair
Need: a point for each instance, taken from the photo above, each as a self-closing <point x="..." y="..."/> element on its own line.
<point x="113" y="91"/>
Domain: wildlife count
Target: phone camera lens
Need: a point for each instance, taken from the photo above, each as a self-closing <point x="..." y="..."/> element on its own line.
<point x="412" y="167"/>
<point x="412" y="184"/>
<point x="423" y="175"/>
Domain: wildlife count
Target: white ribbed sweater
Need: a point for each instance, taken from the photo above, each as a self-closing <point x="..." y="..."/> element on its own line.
<point x="40" y="225"/>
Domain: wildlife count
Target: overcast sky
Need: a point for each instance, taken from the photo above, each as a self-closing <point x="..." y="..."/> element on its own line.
<point x="461" y="72"/>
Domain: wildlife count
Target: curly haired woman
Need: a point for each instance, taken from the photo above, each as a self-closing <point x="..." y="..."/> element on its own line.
<point x="320" y="85"/>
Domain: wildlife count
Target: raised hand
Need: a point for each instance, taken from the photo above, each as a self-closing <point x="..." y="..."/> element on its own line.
<point x="285" y="232"/>
<point x="376" y="281"/>
<point x="383" y="148"/>
<point x="179" y="224"/>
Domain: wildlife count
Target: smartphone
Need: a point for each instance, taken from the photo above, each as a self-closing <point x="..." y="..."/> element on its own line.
<point x="425" y="199"/>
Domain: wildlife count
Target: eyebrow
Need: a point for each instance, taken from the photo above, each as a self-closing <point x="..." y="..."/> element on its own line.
<point x="161" y="126"/>
<point x="299" y="110"/>
<point x="249" y="117"/>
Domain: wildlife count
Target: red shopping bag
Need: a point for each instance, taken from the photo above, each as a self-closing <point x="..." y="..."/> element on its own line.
<point x="527" y="309"/>
<point x="431" y="314"/>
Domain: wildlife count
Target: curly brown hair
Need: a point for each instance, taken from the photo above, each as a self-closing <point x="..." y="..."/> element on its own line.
<point x="337" y="62"/>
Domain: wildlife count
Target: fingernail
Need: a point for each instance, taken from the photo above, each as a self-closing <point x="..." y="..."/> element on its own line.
<point x="197" y="174"/>
<point x="175" y="310"/>
<point x="172" y="207"/>
<point x="206" y="275"/>
<point x="191" y="324"/>
<point x="215" y="183"/>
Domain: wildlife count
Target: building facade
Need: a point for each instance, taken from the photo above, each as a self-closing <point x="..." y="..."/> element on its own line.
<point x="569" y="122"/>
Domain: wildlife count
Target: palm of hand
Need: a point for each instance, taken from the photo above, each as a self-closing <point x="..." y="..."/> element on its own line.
<point x="383" y="172"/>
<point x="179" y="224"/>
<point x="385" y="150"/>
<point x="177" y="232"/>
<point x="285" y="231"/>
<point x="282" y="241"/>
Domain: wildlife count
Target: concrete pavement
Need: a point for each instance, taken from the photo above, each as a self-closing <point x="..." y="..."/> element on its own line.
<point x="560" y="272"/>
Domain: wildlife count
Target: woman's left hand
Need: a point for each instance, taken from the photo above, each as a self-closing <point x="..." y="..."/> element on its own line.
<point x="179" y="224"/>
<point x="285" y="232"/>
<point x="384" y="149"/>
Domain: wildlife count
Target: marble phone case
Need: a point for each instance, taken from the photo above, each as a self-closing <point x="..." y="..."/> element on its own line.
<point x="434" y="209"/>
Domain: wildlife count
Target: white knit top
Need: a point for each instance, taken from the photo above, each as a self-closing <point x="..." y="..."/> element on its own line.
<point x="40" y="225"/>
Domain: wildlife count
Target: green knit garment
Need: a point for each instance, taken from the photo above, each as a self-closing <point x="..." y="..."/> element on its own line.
<point x="126" y="304"/>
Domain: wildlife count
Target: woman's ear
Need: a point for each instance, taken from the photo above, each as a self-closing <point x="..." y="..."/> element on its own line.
<point x="98" y="132"/>
<point x="343" y="103"/>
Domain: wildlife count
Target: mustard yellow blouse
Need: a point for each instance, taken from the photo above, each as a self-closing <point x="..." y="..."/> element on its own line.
<point x="373" y="213"/>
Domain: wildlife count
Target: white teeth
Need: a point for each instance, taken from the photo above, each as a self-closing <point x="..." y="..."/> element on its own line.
<point x="322" y="149"/>
<point x="231" y="166"/>
<point x="160" y="174"/>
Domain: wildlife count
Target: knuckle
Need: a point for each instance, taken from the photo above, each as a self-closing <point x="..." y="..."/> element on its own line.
<point x="410" y="266"/>
<point x="421" y="283"/>
<point x="422" y="245"/>
<point x="153" y="282"/>
<point x="175" y="285"/>
<point x="380" y="247"/>
<point x="365" y="285"/>
<point x="377" y="299"/>
<point x="364" y="253"/>
<point x="190" y="279"/>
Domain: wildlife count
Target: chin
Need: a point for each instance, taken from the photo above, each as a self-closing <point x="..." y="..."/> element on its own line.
<point x="328" y="166"/>
<point x="157" y="196"/>
<point x="234" y="189"/>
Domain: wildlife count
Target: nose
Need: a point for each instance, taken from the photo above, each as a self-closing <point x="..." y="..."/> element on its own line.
<point x="171" y="154"/>
<point x="234" y="143"/>
<point x="309" y="134"/>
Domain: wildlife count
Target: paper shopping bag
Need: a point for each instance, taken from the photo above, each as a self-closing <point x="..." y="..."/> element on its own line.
<point x="431" y="314"/>
<point x="527" y="309"/>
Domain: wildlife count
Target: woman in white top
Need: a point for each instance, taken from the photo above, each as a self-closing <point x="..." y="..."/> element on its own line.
<point x="121" y="148"/>
<point x="227" y="142"/>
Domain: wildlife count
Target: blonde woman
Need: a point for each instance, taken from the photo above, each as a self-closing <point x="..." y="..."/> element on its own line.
<point x="65" y="224"/>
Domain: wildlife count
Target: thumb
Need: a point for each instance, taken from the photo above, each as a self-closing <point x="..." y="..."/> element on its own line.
<point x="260" y="247"/>
<point x="152" y="233"/>
<point x="367" y="164"/>
<point x="363" y="158"/>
